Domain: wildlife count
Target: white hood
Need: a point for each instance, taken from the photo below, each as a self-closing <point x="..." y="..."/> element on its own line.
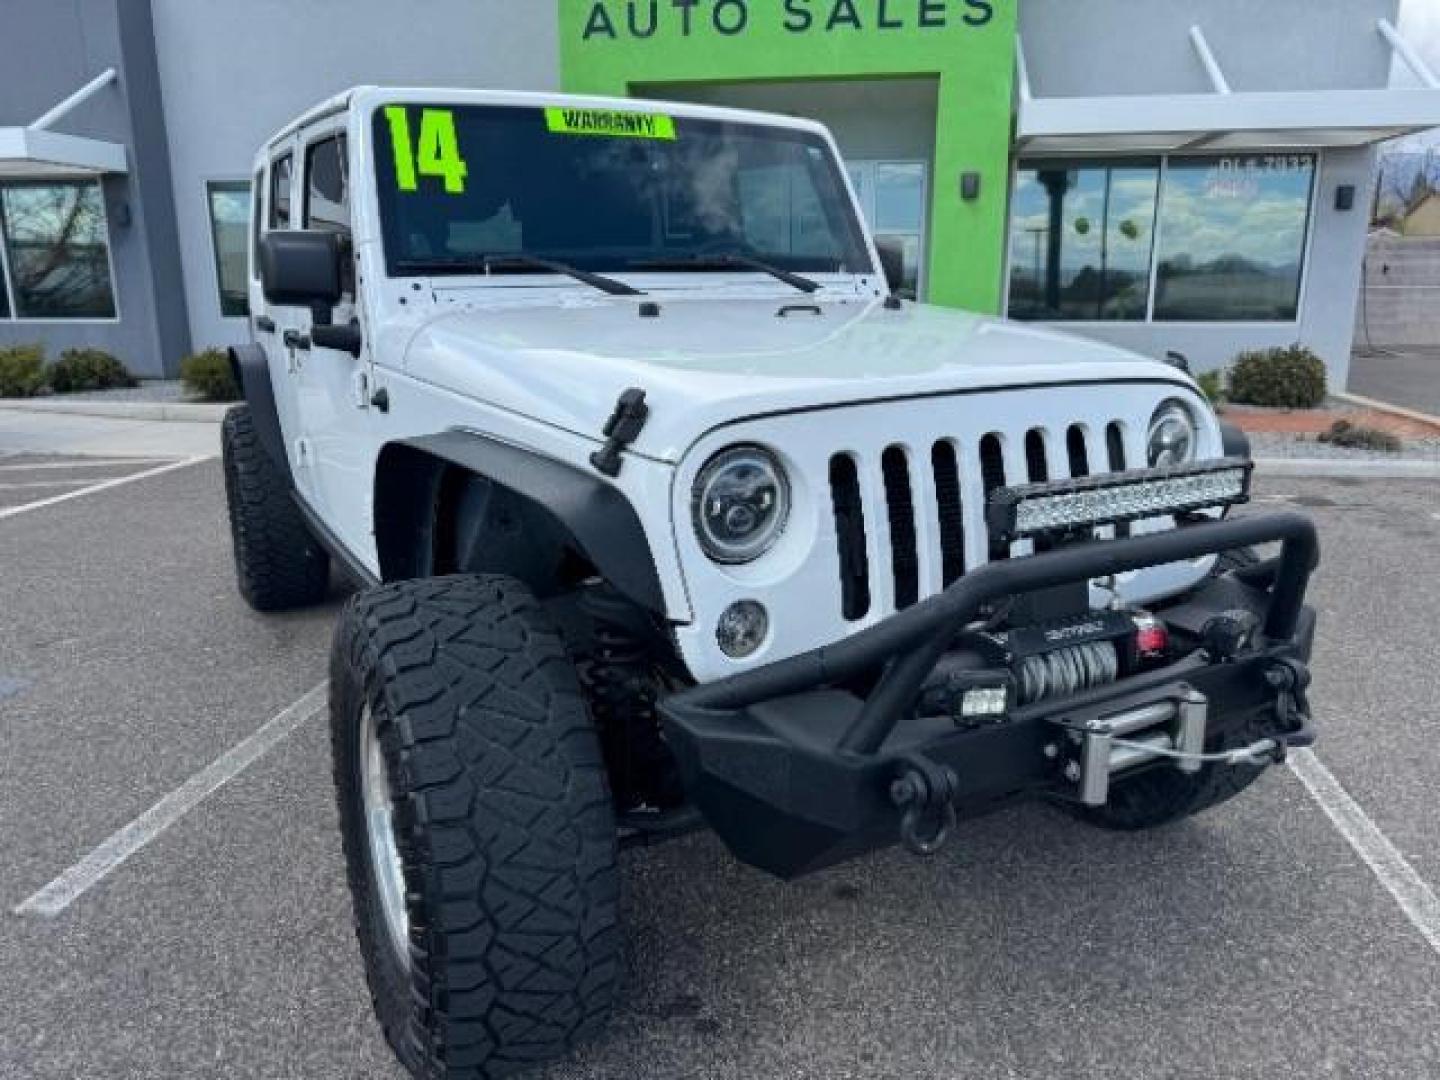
<point x="706" y="360"/>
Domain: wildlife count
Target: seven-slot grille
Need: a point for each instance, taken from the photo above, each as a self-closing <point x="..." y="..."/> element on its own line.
<point x="930" y="502"/>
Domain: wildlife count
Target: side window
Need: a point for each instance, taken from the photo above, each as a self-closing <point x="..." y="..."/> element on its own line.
<point x="257" y="197"/>
<point x="280" y="173"/>
<point x="327" y="186"/>
<point x="327" y="197"/>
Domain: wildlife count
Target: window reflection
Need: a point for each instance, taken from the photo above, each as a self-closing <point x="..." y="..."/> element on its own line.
<point x="893" y="199"/>
<point x="55" y="239"/>
<point x="1232" y="238"/>
<point x="1080" y="241"/>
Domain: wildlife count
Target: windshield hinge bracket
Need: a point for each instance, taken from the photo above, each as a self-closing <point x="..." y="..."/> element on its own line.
<point x="622" y="429"/>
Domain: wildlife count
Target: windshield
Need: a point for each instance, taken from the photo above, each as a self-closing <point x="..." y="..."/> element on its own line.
<point x="602" y="191"/>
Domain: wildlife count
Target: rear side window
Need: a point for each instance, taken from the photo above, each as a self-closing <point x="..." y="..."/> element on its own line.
<point x="280" y="173"/>
<point x="327" y="186"/>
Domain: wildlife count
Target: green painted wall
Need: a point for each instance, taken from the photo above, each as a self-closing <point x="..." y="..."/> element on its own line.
<point x="609" y="46"/>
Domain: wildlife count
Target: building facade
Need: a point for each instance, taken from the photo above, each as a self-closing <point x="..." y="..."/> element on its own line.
<point x="1189" y="175"/>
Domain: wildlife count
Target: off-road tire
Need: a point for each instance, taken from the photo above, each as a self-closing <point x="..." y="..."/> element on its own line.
<point x="278" y="564"/>
<point x="1165" y="795"/>
<point x="502" y="819"/>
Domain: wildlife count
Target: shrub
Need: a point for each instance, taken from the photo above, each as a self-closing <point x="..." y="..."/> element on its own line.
<point x="88" y="369"/>
<point x="207" y="375"/>
<point x="1357" y="437"/>
<point x="1212" y="385"/>
<point x="1292" y="378"/>
<point x="22" y="371"/>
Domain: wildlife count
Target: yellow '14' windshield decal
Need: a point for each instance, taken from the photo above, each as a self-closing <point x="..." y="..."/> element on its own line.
<point x="610" y="122"/>
<point x="437" y="153"/>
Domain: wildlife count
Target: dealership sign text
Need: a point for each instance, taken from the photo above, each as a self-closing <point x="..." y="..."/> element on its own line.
<point x="643" y="19"/>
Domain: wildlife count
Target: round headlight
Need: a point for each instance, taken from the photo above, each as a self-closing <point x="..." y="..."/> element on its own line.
<point x="1172" y="436"/>
<point x="740" y="502"/>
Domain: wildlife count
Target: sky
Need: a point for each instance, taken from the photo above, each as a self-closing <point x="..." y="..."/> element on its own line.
<point x="1420" y="25"/>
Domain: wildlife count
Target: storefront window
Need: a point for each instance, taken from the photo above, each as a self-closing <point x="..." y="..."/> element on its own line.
<point x="57" y="250"/>
<point x="4" y="290"/>
<point x="893" y="199"/>
<point x="229" y="230"/>
<point x="1081" y="238"/>
<point x="1232" y="238"/>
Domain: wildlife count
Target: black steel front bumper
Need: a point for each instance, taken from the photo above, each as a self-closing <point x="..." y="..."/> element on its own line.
<point x="795" y="767"/>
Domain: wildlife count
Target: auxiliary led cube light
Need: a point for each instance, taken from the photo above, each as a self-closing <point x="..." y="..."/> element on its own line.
<point x="1069" y="506"/>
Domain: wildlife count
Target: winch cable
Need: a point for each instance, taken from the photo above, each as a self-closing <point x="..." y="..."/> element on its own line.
<point x="1068" y="671"/>
<point x="1266" y="751"/>
<point x="1261" y="752"/>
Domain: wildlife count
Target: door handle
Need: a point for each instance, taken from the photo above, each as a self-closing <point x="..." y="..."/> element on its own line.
<point x="295" y="340"/>
<point x="265" y="324"/>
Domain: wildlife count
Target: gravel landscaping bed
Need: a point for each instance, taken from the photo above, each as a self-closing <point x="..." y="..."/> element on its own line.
<point x="1272" y="445"/>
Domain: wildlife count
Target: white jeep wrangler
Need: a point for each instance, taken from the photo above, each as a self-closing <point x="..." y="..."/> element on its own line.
<point x="668" y="512"/>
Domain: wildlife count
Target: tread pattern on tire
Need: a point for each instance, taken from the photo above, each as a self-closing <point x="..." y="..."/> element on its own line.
<point x="503" y="819"/>
<point x="278" y="563"/>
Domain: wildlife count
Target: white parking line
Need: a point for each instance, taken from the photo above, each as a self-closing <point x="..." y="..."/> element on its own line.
<point x="83" y="463"/>
<point x="75" y="882"/>
<point x="104" y="485"/>
<point x="1416" y="899"/>
<point x="28" y="484"/>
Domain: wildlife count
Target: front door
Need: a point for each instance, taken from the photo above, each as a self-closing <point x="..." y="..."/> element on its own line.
<point x="277" y="328"/>
<point x="893" y="196"/>
<point x="334" y="386"/>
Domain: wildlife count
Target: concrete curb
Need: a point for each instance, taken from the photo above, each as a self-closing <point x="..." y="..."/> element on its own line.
<point x="1333" y="468"/>
<point x="174" y="411"/>
<point x="1386" y="407"/>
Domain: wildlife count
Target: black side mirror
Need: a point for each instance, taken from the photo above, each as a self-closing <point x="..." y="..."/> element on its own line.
<point x="892" y="261"/>
<point x="302" y="269"/>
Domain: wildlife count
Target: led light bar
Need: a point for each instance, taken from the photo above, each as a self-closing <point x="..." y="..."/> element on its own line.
<point x="1068" y="506"/>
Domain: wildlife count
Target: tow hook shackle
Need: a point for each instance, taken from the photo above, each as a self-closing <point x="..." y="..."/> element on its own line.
<point x="1290" y="680"/>
<point x="926" y="792"/>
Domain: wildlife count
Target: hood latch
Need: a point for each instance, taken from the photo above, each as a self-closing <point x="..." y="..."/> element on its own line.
<point x="622" y="429"/>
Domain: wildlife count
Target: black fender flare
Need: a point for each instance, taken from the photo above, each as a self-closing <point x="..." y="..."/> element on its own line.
<point x="1235" y="442"/>
<point x="251" y="369"/>
<point x="596" y="514"/>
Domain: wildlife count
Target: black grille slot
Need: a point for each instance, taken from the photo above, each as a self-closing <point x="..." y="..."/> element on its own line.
<point x="1079" y="453"/>
<point x="992" y="475"/>
<point x="900" y="501"/>
<point x="1115" y="447"/>
<point x="1035" y="462"/>
<point x="850" y="537"/>
<point x="992" y="463"/>
<point x="952" y="515"/>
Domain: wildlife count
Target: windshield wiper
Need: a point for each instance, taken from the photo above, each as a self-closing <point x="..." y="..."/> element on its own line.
<point x="728" y="261"/>
<point x="517" y="263"/>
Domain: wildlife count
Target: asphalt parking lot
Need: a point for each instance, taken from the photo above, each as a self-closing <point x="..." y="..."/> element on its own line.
<point x="1254" y="942"/>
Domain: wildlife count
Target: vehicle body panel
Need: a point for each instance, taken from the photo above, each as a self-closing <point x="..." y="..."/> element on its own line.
<point x="539" y="361"/>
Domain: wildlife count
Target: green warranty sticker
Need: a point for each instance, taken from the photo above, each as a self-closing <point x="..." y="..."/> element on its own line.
<point x="610" y="123"/>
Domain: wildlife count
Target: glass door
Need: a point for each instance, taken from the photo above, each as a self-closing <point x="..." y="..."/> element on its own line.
<point x="893" y="196"/>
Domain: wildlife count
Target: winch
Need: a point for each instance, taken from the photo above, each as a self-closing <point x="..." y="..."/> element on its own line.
<point x="992" y="671"/>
